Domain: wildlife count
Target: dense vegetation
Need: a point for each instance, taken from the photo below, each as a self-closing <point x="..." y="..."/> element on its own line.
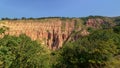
<point x="100" y="49"/>
<point x="21" y="52"/>
<point x="94" y="51"/>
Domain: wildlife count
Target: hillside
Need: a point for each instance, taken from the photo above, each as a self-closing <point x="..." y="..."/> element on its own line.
<point x="58" y="42"/>
<point x="54" y="31"/>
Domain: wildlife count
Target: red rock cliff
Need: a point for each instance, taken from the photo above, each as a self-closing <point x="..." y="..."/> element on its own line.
<point x="51" y="33"/>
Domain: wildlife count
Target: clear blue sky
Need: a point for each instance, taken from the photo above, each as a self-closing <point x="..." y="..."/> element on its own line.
<point x="66" y="8"/>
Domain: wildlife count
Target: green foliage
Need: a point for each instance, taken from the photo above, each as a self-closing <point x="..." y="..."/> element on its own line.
<point x="106" y="25"/>
<point x="117" y="29"/>
<point x="93" y="51"/>
<point x="78" y="23"/>
<point x="117" y="20"/>
<point x="90" y="29"/>
<point x="3" y="29"/>
<point x="63" y="26"/>
<point x="21" y="52"/>
<point x="5" y="18"/>
<point x="114" y="63"/>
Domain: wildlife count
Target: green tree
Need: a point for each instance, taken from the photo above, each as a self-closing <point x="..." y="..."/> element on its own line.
<point x="22" y="52"/>
<point x="93" y="51"/>
<point x="117" y="29"/>
<point x="3" y="29"/>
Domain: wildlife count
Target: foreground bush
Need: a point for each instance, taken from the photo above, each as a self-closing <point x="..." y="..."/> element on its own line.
<point x="22" y="52"/>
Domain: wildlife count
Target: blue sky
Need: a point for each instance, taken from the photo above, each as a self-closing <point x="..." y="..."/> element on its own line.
<point x="65" y="8"/>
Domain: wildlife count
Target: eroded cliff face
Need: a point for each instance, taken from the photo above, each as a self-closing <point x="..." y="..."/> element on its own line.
<point x="96" y="23"/>
<point x="50" y="33"/>
<point x="100" y="23"/>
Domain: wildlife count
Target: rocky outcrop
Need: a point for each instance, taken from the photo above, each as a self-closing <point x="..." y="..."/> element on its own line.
<point x="95" y="22"/>
<point x="49" y="33"/>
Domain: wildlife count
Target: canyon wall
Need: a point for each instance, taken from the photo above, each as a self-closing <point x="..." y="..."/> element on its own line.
<point x="50" y="33"/>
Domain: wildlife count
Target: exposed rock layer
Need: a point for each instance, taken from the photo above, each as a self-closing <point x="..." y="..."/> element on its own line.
<point x="48" y="33"/>
<point x="51" y="32"/>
